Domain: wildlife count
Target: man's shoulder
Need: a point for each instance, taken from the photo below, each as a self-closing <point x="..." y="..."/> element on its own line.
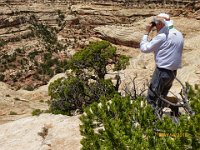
<point x="175" y="30"/>
<point x="161" y="36"/>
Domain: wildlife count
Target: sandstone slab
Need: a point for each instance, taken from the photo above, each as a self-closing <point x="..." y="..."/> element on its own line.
<point x="56" y="132"/>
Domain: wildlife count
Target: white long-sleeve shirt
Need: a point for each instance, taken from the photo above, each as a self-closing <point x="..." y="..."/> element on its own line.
<point x="167" y="47"/>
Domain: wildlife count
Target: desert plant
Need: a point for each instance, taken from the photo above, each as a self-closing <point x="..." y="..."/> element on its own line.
<point x="32" y="54"/>
<point x="36" y="112"/>
<point x="12" y="57"/>
<point x="125" y="124"/>
<point x="2" y="43"/>
<point x="95" y="57"/>
<point x="44" y="32"/>
<point x="4" y="59"/>
<point x="194" y="96"/>
<point x="23" y="61"/>
<point x="20" y="50"/>
<point x="60" y="20"/>
<point x="12" y="113"/>
<point x="29" y="87"/>
<point x="69" y="95"/>
<point x="44" y="132"/>
<point x="2" y="76"/>
<point x="86" y="83"/>
<point x="46" y="35"/>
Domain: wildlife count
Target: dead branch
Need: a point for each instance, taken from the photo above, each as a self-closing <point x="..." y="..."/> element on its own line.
<point x="118" y="78"/>
<point x="184" y="95"/>
<point x="134" y="87"/>
<point x="134" y="92"/>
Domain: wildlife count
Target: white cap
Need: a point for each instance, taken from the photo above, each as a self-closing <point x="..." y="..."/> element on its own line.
<point x="166" y="19"/>
<point x="164" y="15"/>
<point x="169" y="23"/>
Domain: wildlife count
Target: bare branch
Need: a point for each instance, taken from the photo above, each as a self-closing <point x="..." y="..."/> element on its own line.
<point x="134" y="87"/>
<point x="133" y="91"/>
<point x="143" y="89"/>
<point x="184" y="95"/>
<point x="118" y="78"/>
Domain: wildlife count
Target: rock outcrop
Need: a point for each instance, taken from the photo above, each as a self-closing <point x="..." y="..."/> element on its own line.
<point x="44" y="132"/>
<point x="21" y="103"/>
<point x="76" y="22"/>
<point x="127" y="36"/>
<point x="73" y="23"/>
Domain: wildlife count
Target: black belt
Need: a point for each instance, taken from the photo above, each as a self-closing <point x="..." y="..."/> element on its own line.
<point x="174" y="71"/>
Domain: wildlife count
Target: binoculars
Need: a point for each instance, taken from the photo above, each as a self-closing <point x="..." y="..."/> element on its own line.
<point x="153" y="24"/>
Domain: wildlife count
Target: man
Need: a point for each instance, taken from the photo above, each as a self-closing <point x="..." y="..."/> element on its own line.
<point x="167" y="47"/>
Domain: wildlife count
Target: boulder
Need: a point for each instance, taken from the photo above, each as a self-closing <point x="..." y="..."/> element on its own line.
<point x="127" y="36"/>
<point x="44" y="132"/>
<point x="12" y="21"/>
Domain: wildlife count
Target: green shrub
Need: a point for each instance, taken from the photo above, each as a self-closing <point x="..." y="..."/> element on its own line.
<point x="86" y="83"/>
<point x="29" y="88"/>
<point x="20" y="50"/>
<point x="68" y="95"/>
<point x="36" y="112"/>
<point x="194" y="96"/>
<point x="2" y="43"/>
<point x="60" y="20"/>
<point x="2" y="76"/>
<point x="32" y="55"/>
<point x="101" y="88"/>
<point x="124" y="124"/>
<point x="12" y="57"/>
<point x="44" y="32"/>
<point x="12" y="113"/>
<point x="95" y="57"/>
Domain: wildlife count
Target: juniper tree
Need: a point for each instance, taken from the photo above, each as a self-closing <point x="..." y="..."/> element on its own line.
<point x="86" y="83"/>
<point x="124" y="124"/>
<point x="95" y="58"/>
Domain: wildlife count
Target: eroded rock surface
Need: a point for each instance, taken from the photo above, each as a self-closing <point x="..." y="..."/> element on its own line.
<point x="45" y="132"/>
<point x="77" y="23"/>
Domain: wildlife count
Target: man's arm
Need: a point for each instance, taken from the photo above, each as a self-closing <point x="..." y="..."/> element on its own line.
<point x="149" y="46"/>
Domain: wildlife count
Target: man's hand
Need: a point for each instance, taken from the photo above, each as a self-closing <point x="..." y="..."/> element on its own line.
<point x="148" y="29"/>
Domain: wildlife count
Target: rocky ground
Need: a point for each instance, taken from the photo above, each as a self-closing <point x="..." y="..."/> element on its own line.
<point x="75" y="24"/>
<point x="37" y="37"/>
<point x="46" y="132"/>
